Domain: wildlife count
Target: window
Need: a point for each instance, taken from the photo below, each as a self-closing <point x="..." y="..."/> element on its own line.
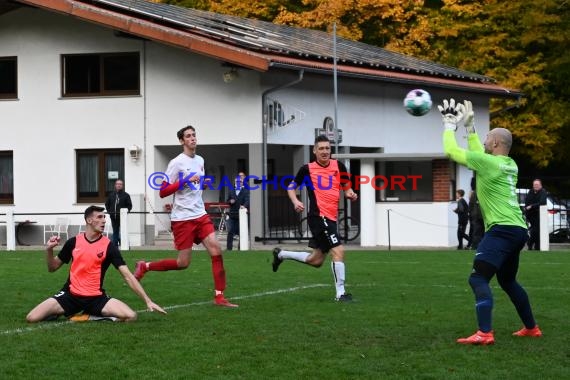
<point x="404" y="181"/>
<point x="100" y="74"/>
<point x="97" y="171"/>
<point x="8" y="78"/>
<point x="6" y="177"/>
<point x="276" y="116"/>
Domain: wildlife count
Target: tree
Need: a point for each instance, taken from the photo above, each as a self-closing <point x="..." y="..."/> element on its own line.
<point x="522" y="44"/>
<point x="370" y="21"/>
<point x="194" y="4"/>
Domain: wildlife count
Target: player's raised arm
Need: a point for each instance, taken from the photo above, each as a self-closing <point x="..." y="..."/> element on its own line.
<point x="452" y="114"/>
<point x="53" y="262"/>
<point x="473" y="141"/>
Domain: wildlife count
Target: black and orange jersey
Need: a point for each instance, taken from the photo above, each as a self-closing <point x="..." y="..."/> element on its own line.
<point x="323" y="184"/>
<point x="89" y="262"/>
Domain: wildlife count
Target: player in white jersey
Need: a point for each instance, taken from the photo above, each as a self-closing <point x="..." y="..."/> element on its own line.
<point x="187" y="204"/>
<point x="189" y="220"/>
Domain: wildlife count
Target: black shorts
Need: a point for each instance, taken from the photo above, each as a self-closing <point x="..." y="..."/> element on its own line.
<point x="74" y="304"/>
<point x="325" y="233"/>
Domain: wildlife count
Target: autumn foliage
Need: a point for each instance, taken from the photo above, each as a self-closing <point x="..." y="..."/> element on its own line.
<point x="522" y="44"/>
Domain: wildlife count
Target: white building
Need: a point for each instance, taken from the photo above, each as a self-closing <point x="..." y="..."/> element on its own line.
<point x="83" y="85"/>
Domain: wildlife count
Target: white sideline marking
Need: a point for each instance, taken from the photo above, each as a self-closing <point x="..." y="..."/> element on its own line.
<point x="268" y="293"/>
<point x="52" y="325"/>
<point x="391" y="262"/>
<point x="45" y="326"/>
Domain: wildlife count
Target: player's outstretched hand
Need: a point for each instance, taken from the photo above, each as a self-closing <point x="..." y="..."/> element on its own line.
<point x="451" y="113"/>
<point x="469" y="117"/>
<point x="151" y="306"/>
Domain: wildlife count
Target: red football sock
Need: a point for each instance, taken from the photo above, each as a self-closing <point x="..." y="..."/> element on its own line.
<point x="219" y="273"/>
<point x="162" y="265"/>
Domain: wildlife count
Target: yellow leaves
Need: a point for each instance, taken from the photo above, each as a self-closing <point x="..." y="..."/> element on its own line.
<point x="352" y="17"/>
<point x="414" y="41"/>
<point x="521" y="44"/>
<point x="254" y="9"/>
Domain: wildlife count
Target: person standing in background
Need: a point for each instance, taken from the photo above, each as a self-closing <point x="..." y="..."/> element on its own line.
<point x="238" y="199"/>
<point x="535" y="198"/>
<point x="462" y="211"/>
<point x="476" y="225"/>
<point x="117" y="200"/>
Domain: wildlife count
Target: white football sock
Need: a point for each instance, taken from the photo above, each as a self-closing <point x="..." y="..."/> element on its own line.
<point x="338" y="275"/>
<point x="291" y="255"/>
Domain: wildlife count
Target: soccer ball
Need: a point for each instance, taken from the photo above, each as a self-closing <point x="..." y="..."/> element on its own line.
<point x="418" y="102"/>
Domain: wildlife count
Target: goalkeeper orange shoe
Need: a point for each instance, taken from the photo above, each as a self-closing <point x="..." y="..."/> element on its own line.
<point x="479" y="338"/>
<point x="534" y="332"/>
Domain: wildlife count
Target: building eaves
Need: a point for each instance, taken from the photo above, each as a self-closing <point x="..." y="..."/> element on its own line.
<point x="396" y="77"/>
<point x="7" y="6"/>
<point x="261" y="45"/>
<point x="155" y="32"/>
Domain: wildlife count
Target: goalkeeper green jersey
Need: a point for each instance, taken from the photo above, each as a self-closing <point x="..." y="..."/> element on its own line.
<point x="497" y="178"/>
<point x="496" y="189"/>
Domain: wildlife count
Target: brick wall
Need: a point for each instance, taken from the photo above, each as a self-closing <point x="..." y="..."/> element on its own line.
<point x="441" y="180"/>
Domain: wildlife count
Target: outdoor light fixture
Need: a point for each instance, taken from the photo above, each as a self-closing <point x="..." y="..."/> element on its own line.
<point x="229" y="76"/>
<point x="135" y="152"/>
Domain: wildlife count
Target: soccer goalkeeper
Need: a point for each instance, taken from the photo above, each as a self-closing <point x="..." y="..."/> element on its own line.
<point x="505" y="229"/>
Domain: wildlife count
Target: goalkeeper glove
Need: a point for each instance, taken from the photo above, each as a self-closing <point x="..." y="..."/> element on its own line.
<point x="469" y="117"/>
<point x="451" y="114"/>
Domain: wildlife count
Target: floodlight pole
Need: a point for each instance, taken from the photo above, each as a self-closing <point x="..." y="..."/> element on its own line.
<point x="335" y="124"/>
<point x="336" y="146"/>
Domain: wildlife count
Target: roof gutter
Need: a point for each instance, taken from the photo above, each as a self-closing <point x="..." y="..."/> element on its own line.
<point x="445" y="83"/>
<point x="492" y="115"/>
<point x="153" y="31"/>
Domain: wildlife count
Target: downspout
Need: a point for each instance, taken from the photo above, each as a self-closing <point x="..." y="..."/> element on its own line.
<point x="145" y="147"/>
<point x="264" y="142"/>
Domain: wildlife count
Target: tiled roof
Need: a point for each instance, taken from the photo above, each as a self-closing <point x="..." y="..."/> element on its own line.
<point x="262" y="45"/>
<point x="285" y="41"/>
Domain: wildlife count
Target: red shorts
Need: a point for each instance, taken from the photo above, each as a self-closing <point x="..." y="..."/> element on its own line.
<point x="190" y="232"/>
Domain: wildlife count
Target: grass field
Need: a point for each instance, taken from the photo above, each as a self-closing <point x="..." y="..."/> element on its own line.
<point x="409" y="308"/>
